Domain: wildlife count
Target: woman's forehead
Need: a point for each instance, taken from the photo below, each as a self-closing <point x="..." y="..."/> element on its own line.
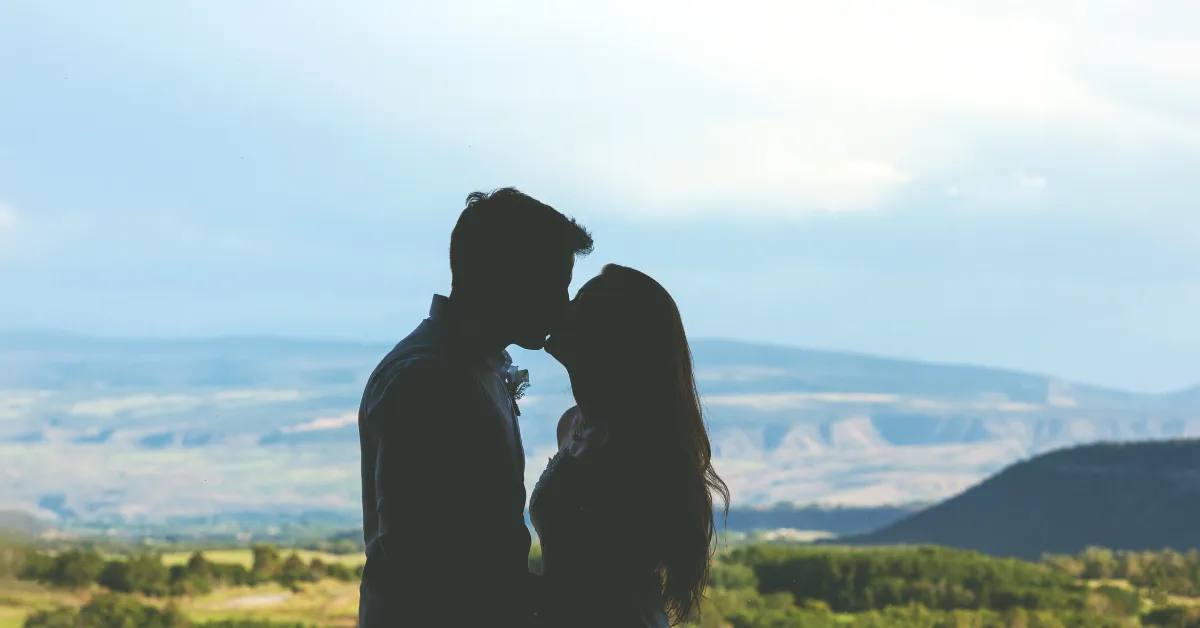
<point x="588" y="287"/>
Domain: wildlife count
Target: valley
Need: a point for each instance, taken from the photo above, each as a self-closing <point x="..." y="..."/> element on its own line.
<point x="98" y="429"/>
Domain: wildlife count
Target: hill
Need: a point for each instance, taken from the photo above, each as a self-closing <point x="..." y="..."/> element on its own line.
<point x="20" y="525"/>
<point x="1127" y="496"/>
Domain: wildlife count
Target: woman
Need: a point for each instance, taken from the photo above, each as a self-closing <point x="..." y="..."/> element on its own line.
<point x="624" y="511"/>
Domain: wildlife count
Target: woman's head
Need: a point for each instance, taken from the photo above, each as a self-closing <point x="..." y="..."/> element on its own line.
<point x="630" y="366"/>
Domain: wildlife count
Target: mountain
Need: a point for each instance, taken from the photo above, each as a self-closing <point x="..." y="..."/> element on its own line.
<point x="1126" y="496"/>
<point x="20" y="525"/>
<point x="94" y="428"/>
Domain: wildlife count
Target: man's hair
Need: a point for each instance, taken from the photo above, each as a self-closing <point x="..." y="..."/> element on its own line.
<point x="507" y="225"/>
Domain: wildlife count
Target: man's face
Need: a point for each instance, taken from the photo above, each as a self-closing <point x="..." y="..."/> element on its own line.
<point x="542" y="302"/>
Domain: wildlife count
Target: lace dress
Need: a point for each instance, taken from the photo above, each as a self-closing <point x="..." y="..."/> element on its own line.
<point x="591" y="570"/>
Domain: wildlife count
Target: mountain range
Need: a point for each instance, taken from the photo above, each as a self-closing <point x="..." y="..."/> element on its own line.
<point x="99" y="429"/>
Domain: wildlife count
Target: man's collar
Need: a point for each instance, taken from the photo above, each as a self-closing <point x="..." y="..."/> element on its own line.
<point x="438" y="311"/>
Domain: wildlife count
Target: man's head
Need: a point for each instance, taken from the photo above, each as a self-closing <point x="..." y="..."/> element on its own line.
<point x="515" y="256"/>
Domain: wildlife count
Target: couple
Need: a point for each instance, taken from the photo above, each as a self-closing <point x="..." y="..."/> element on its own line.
<point x="624" y="511"/>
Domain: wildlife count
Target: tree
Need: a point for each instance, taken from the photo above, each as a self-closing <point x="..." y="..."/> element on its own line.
<point x="138" y="574"/>
<point x="732" y="576"/>
<point x="317" y="569"/>
<point x="267" y="563"/>
<point x="75" y="569"/>
<point x="120" y="611"/>
<point x="36" y="566"/>
<point x="339" y="571"/>
<point x="1173" y="617"/>
<point x="199" y="565"/>
<point x="61" y="617"/>
<point x="294" y="570"/>
<point x="1099" y="563"/>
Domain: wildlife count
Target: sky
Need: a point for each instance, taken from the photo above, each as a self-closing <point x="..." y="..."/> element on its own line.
<point x="1009" y="184"/>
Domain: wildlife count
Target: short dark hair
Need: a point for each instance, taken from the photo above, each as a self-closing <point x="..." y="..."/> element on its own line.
<point x="509" y="222"/>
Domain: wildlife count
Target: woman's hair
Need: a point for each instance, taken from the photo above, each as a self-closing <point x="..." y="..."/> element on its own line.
<point x="636" y="346"/>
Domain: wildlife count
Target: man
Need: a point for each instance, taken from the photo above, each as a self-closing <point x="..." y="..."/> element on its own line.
<point x="442" y="461"/>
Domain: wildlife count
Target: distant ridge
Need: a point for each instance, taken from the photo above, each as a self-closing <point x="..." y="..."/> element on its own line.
<point x="16" y="524"/>
<point x="846" y="367"/>
<point x="1130" y="496"/>
<point x="786" y="424"/>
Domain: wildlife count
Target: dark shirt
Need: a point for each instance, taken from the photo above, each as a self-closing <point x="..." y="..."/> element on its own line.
<point x="443" y="488"/>
<point x="597" y="570"/>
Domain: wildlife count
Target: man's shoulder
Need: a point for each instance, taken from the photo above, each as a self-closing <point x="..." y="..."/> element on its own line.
<point x="412" y="372"/>
<point x="421" y="354"/>
<point x="409" y="383"/>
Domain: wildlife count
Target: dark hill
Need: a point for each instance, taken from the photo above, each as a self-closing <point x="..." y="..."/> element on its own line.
<point x="1131" y="496"/>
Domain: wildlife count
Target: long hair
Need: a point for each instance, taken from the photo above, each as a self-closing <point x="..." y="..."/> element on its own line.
<point x="638" y="370"/>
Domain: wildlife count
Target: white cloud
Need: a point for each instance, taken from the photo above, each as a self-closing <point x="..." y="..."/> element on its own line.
<point x="8" y="217"/>
<point x="324" y="423"/>
<point x="665" y="107"/>
<point x="138" y="405"/>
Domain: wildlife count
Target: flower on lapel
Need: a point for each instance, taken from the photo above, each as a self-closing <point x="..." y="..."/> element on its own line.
<point x="518" y="381"/>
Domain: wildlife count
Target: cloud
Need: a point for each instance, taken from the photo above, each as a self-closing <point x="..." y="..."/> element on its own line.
<point x="661" y="108"/>
<point x="137" y="405"/>
<point x="324" y="423"/>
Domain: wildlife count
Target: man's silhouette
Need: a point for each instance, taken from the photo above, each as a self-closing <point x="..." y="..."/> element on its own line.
<point x="442" y="461"/>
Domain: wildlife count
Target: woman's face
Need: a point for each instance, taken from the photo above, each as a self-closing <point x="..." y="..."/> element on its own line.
<point x="576" y="342"/>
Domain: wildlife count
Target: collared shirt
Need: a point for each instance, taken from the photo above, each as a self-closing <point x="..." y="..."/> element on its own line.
<point x="398" y="527"/>
<point x="499" y="362"/>
<point x="496" y="385"/>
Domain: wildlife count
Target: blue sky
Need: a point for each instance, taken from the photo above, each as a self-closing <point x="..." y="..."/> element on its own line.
<point x="1008" y="185"/>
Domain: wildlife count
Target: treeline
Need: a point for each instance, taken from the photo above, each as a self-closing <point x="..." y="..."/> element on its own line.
<point x="147" y="575"/>
<point x="927" y="587"/>
<point x="123" y="611"/>
<point x="757" y="586"/>
<point x="1163" y="573"/>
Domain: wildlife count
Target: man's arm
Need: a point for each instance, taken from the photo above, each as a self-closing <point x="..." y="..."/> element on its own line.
<point x="443" y="508"/>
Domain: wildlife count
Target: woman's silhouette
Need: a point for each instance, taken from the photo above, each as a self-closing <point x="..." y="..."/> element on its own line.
<point x="624" y="511"/>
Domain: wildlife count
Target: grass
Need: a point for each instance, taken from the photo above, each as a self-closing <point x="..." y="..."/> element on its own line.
<point x="1173" y="600"/>
<point x="18" y="599"/>
<point x="326" y="603"/>
<point x="246" y="558"/>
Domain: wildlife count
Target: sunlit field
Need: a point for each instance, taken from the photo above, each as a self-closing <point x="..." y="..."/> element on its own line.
<point x="245" y="558"/>
<point x="326" y="603"/>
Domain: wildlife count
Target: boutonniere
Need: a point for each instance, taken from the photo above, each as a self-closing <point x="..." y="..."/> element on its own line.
<point x="517" y="380"/>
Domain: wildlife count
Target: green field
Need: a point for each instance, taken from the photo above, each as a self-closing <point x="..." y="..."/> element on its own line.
<point x="18" y="599"/>
<point x="751" y="586"/>
<point x="245" y="558"/>
<point x="326" y="603"/>
<point x="329" y="602"/>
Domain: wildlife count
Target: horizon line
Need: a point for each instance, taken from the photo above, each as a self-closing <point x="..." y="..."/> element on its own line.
<point x="83" y="336"/>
